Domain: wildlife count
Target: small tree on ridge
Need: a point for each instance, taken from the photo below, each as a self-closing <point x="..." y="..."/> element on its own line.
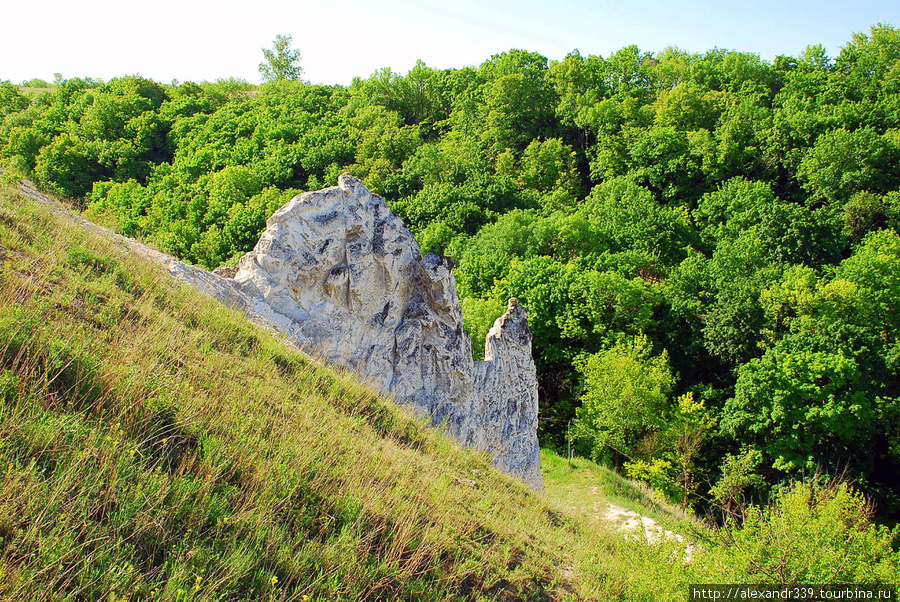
<point x="282" y="62"/>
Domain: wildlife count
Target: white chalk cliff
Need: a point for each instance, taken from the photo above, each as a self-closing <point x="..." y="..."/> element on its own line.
<point x="340" y="274"/>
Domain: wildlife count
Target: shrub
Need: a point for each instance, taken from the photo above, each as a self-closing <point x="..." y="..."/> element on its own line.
<point x="813" y="534"/>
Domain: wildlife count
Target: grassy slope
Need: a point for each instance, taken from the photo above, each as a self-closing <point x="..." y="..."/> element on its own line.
<point x="584" y="489"/>
<point x="154" y="445"/>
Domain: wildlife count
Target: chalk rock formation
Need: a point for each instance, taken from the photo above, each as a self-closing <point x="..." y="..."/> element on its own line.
<point x="506" y="383"/>
<point x="340" y="274"/>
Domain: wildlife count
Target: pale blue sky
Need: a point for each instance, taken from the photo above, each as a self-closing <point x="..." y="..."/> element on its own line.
<point x="208" y="39"/>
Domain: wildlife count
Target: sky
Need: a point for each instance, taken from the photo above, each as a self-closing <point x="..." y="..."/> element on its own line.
<point x="197" y="40"/>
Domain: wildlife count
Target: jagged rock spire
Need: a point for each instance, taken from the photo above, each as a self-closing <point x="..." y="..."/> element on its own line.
<point x="347" y="282"/>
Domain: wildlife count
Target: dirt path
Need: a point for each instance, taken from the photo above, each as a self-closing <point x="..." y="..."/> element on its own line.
<point x="635" y="525"/>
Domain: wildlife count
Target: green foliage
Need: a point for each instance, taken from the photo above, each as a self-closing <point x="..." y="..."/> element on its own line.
<point x="738" y="213"/>
<point x="873" y="274"/>
<point x="813" y="534"/>
<point x="15" y="170"/>
<point x="739" y="474"/>
<point x="65" y="165"/>
<point x="802" y="406"/>
<point x="718" y="300"/>
<point x="656" y="157"/>
<point x="844" y="162"/>
<point x="866" y="212"/>
<point x="626" y="395"/>
<point x="573" y="309"/>
<point x="629" y="215"/>
<point x="549" y="165"/>
<point x="479" y="316"/>
<point x="810" y="532"/>
<point x="868" y="63"/>
<point x="669" y="459"/>
<point x="423" y="96"/>
<point x="282" y="63"/>
<point x="11" y="100"/>
<point x="36" y="83"/>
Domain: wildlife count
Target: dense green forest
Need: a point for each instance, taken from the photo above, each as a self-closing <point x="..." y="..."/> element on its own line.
<point x="707" y="244"/>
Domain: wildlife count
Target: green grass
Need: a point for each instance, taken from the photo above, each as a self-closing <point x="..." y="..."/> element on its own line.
<point x="584" y="489"/>
<point x="157" y="446"/>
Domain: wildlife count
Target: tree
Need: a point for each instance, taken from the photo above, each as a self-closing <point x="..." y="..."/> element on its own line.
<point x="843" y="162"/>
<point x="806" y="405"/>
<point x="11" y="100"/>
<point x="282" y="62"/>
<point x="630" y="216"/>
<point x="626" y="393"/>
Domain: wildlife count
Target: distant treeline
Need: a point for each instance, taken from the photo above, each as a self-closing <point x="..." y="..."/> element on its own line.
<point x="707" y="244"/>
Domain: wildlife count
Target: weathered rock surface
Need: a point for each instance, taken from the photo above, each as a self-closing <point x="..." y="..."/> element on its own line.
<point x="225" y="272"/>
<point x="349" y="284"/>
<point x="506" y="384"/>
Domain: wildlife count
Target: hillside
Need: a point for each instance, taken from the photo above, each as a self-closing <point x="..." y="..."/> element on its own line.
<point x="156" y="446"/>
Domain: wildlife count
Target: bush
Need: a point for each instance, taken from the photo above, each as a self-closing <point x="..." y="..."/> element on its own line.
<point x="813" y="534"/>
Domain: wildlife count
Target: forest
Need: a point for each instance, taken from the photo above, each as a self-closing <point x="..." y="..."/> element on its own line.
<point x="707" y="243"/>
